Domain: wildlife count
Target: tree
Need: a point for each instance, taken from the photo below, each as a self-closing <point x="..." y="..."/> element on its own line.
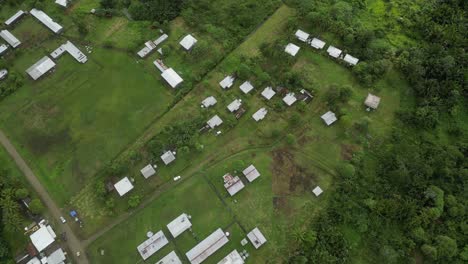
<point x="446" y="246"/>
<point x="429" y="251"/>
<point x="21" y="193"/>
<point x="107" y="4"/>
<point x="134" y="201"/>
<point x="36" y="206"/>
<point x="346" y="170"/>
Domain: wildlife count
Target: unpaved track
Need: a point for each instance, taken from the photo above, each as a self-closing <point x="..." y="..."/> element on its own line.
<point x="73" y="242"/>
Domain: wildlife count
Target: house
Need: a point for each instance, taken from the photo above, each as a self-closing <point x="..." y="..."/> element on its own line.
<point x="268" y="93"/>
<point x="43" y="237"/>
<point x="251" y="173"/>
<point x="290" y="99"/>
<point x="46" y="20"/>
<point x="207" y="247"/>
<point x="209" y="101"/>
<point x="256" y="238"/>
<point x="148" y="171"/>
<point x="372" y="101"/>
<point x="227" y="82"/>
<point x="260" y="114"/>
<point x="234" y="105"/>
<point x="160" y="65"/>
<point x="159" y="40"/>
<point x="334" y="52"/>
<point x="171" y="77"/>
<point x="317" y="43"/>
<point x="329" y="118"/>
<point x="40" y="68"/>
<point x="292" y="49"/>
<point x="351" y="60"/>
<point x="152" y="245"/>
<point x="168" y="157"/>
<point x="123" y="186"/>
<point x="72" y="50"/>
<point x="188" y="42"/>
<point x="232" y="184"/>
<point x="34" y="260"/>
<point x="170" y="258"/>
<point x="3" y="48"/>
<point x="214" y="121"/>
<point x="232" y="258"/>
<point x="3" y="74"/>
<point x="302" y="36"/>
<point x="179" y="225"/>
<point x="147" y="49"/>
<point x="317" y="191"/>
<point x="9" y="38"/>
<point x="246" y="87"/>
<point x="62" y="3"/>
<point x="57" y="257"/>
<point x="14" y="17"/>
<point x="305" y="95"/>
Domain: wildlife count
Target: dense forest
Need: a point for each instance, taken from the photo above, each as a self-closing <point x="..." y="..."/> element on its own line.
<point x="405" y="195"/>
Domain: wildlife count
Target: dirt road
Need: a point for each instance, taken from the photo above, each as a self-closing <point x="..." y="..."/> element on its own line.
<point x="73" y="242"/>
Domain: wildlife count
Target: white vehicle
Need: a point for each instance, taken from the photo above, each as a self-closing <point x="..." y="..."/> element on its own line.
<point x="176" y="178"/>
<point x="63" y="220"/>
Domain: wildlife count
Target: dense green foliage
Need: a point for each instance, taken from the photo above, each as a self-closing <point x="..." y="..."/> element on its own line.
<point x="156" y="10"/>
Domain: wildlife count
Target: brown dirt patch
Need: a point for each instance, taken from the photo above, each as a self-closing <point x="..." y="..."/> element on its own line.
<point x="347" y="151"/>
<point x="282" y="204"/>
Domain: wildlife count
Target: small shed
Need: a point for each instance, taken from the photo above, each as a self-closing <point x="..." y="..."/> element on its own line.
<point x="317" y="43"/>
<point x="3" y="73"/>
<point x="179" y="225"/>
<point x="351" y="60"/>
<point x="232" y="184"/>
<point x="123" y="186"/>
<point x="227" y="82"/>
<point x="334" y="52"/>
<point x="234" y="105"/>
<point x="232" y="258"/>
<point x="246" y="87"/>
<point x="148" y="171"/>
<point x="188" y="42"/>
<point x="3" y="48"/>
<point x="372" y="101"/>
<point x="290" y="99"/>
<point x="292" y="49"/>
<point x="251" y="173"/>
<point x="170" y="258"/>
<point x="168" y="157"/>
<point x="302" y="36"/>
<point x="209" y="101"/>
<point x="260" y="114"/>
<point x="317" y="191"/>
<point x="63" y="3"/>
<point x="214" y="121"/>
<point x="256" y="238"/>
<point x="171" y="77"/>
<point x="329" y="118"/>
<point x="268" y="93"/>
<point x="152" y="245"/>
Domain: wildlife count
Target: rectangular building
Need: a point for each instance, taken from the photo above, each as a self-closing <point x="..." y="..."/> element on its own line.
<point x="256" y="238"/>
<point x="9" y="38"/>
<point x="233" y="258"/>
<point x="172" y="78"/>
<point x="46" y="20"/>
<point x="170" y="258"/>
<point x="232" y="184"/>
<point x="179" y="225"/>
<point x="123" y="186"/>
<point x="3" y="48"/>
<point x="14" y="18"/>
<point x="207" y="247"/>
<point x="40" y="68"/>
<point x="152" y="245"/>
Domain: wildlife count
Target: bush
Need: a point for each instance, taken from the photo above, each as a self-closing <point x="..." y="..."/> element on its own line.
<point x="36" y="206"/>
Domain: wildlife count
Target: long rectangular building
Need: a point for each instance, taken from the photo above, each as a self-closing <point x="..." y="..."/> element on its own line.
<point x="152" y="245"/>
<point x="14" y="17"/>
<point x="46" y="20"/>
<point x="72" y="50"/>
<point x="207" y="247"/>
<point x="9" y="38"/>
<point x="40" y="68"/>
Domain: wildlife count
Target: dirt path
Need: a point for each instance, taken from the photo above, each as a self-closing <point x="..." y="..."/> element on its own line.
<point x="72" y="242"/>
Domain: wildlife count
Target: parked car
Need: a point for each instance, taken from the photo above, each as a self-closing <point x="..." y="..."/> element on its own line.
<point x="63" y="220"/>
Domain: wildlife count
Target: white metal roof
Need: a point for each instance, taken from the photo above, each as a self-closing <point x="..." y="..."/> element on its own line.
<point x="10" y="38"/>
<point x="329" y="118"/>
<point x="188" y="42"/>
<point x="3" y="48"/>
<point x="179" y="225"/>
<point x="123" y="186"/>
<point x="334" y="52"/>
<point x="72" y="50"/>
<point x="268" y="93"/>
<point x="14" y="17"/>
<point x="170" y="258"/>
<point x="152" y="245"/>
<point x="168" y="157"/>
<point x="148" y="171"/>
<point x="317" y="43"/>
<point x="302" y="36"/>
<point x="232" y="184"/>
<point x="57" y="257"/>
<point x="207" y="247"/>
<point x="159" y="40"/>
<point x="3" y="73"/>
<point x="251" y="173"/>
<point x="233" y="258"/>
<point x="34" y="260"/>
<point x="351" y="60"/>
<point x="246" y="87"/>
<point x="372" y="101"/>
<point x="40" y="68"/>
<point x="292" y="49"/>
<point x="260" y="114"/>
<point x="63" y="3"/>
<point x="234" y="105"/>
<point x="209" y="101"/>
<point x="290" y="99"/>
<point x="317" y="191"/>
<point x="172" y="78"/>
<point x="46" y="20"/>
<point x="227" y="82"/>
<point x="214" y="121"/>
<point x="256" y="238"/>
<point x="42" y="238"/>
